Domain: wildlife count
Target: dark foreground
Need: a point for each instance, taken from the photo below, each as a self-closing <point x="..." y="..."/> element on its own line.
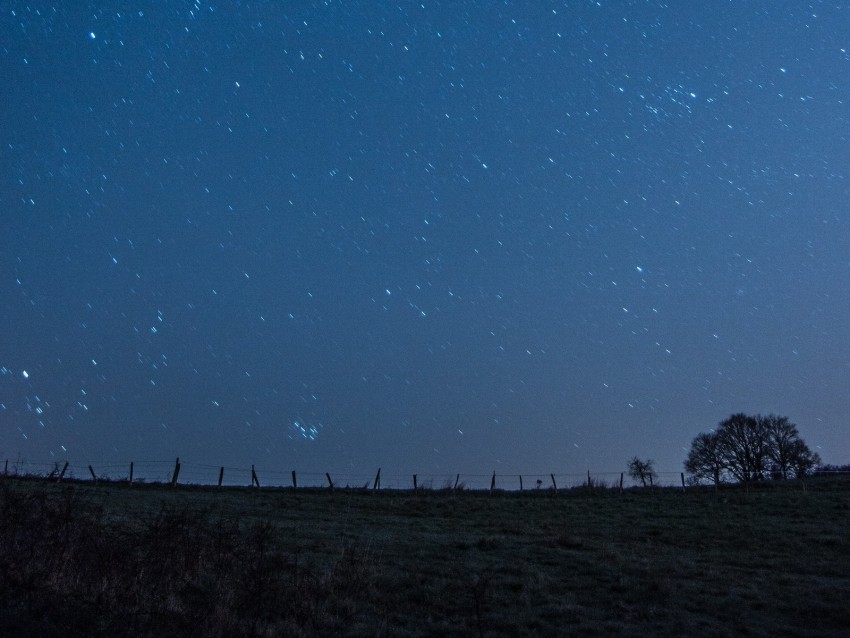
<point x="115" y="560"/>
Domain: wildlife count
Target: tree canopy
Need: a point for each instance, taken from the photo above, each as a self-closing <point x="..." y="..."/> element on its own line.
<point x="746" y="448"/>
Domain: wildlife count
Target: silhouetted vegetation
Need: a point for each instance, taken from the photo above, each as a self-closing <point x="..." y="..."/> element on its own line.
<point x="747" y="448"/>
<point x="643" y="471"/>
<point x="831" y="470"/>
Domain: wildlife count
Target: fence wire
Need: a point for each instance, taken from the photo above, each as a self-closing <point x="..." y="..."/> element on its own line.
<point x="201" y="474"/>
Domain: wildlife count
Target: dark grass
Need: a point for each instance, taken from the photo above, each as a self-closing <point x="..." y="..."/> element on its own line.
<point x="79" y="559"/>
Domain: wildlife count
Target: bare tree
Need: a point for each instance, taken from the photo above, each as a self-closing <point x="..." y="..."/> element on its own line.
<point x="788" y="453"/>
<point x="743" y="445"/>
<point x="803" y="460"/>
<point x="642" y="471"/>
<point x="750" y="448"/>
<point x="783" y="440"/>
<point x="705" y="459"/>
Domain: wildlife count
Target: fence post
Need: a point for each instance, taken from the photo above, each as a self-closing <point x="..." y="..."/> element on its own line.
<point x="377" y="484"/>
<point x="520" y="482"/>
<point x="176" y="472"/>
<point x="621" y="482"/>
<point x="415" y="487"/>
<point x="131" y="472"/>
<point x="493" y="481"/>
<point x="254" y="479"/>
<point x="6" y="468"/>
<point x="554" y="484"/>
<point x="93" y="475"/>
<point x="589" y="482"/>
<point x="457" y="480"/>
<point x="220" y="476"/>
<point x="330" y="482"/>
<point x="294" y="481"/>
<point x="62" y="473"/>
<point x="683" y="481"/>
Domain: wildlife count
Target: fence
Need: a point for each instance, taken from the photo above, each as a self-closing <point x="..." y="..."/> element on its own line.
<point x="215" y="475"/>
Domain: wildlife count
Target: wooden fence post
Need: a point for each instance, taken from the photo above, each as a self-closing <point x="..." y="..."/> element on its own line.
<point x="131" y="472"/>
<point x="62" y="473"/>
<point x="414" y="483"/>
<point x="377" y="484"/>
<point x="220" y="476"/>
<point x="621" y="482"/>
<point x="254" y="479"/>
<point x="589" y="482"/>
<point x="330" y="482"/>
<point x="493" y="481"/>
<point x="554" y="484"/>
<point x="683" y="481"/>
<point x="93" y="475"/>
<point x="520" y="482"/>
<point x="294" y="481"/>
<point x="176" y="472"/>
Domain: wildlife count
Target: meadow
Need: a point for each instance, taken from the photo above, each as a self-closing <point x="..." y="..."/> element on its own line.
<point x="147" y="560"/>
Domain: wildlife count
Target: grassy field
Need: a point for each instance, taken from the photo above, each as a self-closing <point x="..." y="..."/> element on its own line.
<point x="116" y="560"/>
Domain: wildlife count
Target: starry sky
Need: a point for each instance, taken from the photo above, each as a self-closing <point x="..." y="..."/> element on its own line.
<point x="432" y="236"/>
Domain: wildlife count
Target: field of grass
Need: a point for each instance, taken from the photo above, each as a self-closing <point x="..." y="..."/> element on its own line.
<point x="120" y="560"/>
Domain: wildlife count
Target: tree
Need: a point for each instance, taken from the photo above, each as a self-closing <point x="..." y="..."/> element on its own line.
<point x="750" y="448"/>
<point x="743" y="446"/>
<point x="787" y="452"/>
<point x="803" y="460"/>
<point x="642" y="471"/>
<point x="705" y="460"/>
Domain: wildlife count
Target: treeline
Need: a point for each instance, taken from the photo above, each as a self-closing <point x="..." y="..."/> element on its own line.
<point x="831" y="470"/>
<point x="746" y="448"/>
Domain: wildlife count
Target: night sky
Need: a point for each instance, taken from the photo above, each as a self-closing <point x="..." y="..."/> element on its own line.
<point x="437" y="236"/>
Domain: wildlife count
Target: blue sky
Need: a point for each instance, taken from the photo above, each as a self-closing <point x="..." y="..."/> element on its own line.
<point x="428" y="236"/>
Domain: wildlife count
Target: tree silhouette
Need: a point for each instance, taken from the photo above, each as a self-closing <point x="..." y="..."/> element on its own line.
<point x="642" y="471"/>
<point x="743" y="444"/>
<point x="705" y="459"/>
<point x="787" y="452"/>
<point x="750" y="448"/>
<point x="803" y="460"/>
